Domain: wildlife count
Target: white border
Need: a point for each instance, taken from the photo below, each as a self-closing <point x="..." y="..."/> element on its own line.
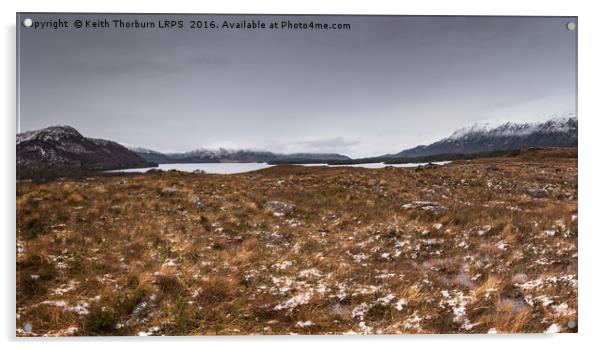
<point x="590" y="198"/>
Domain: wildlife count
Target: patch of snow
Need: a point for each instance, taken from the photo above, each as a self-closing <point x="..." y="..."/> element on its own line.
<point x="365" y="290"/>
<point x="150" y="331"/>
<point x="539" y="282"/>
<point x="65" y="288"/>
<point x="197" y="292"/>
<point x="358" y="257"/>
<point x="313" y="272"/>
<point x="502" y="245"/>
<point x="457" y="301"/>
<point x="170" y="263"/>
<point x="562" y="310"/>
<point x="554" y="328"/>
<point x="80" y="308"/>
<point x="364" y="328"/>
<point x="302" y="324"/>
<point x="384" y="276"/>
<point x="299" y="299"/>
<point x="542" y="299"/>
<point x="360" y="310"/>
<point x="484" y="230"/>
<point x="386" y="299"/>
<point x="424" y="205"/>
<point x="413" y="322"/>
<point x="400" y="304"/>
<point x="543" y="261"/>
<point x="283" y="265"/>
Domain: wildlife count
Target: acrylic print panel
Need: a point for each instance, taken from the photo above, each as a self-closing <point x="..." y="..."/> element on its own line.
<point x="190" y="174"/>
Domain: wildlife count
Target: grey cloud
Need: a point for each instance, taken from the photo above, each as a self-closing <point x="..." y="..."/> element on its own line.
<point x="390" y="82"/>
<point x="335" y="144"/>
<point x="208" y="62"/>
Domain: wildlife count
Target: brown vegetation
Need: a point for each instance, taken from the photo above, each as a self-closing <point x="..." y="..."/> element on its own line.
<point x="474" y="251"/>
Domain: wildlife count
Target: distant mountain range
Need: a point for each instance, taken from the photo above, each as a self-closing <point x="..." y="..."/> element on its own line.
<point x="484" y="137"/>
<point x="63" y="150"/>
<point x="231" y="156"/>
<point x="59" y="150"/>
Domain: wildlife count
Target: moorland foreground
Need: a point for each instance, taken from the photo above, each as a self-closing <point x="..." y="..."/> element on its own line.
<point x="487" y="245"/>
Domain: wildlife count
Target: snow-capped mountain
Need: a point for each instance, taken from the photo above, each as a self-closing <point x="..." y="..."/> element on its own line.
<point x="53" y="133"/>
<point x="148" y="154"/>
<point x="486" y="137"/>
<point x="223" y="155"/>
<point x="61" y="149"/>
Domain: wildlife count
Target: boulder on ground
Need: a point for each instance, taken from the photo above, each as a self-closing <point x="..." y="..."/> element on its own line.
<point x="491" y="167"/>
<point x="170" y="191"/>
<point x="537" y="192"/>
<point x="278" y="208"/>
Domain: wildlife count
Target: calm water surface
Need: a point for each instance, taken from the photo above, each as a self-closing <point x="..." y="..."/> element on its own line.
<point x="237" y="168"/>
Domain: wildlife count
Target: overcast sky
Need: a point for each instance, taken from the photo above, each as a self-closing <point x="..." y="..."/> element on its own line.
<point x="387" y="84"/>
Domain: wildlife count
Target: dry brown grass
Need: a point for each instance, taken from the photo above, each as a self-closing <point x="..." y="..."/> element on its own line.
<point x="116" y="255"/>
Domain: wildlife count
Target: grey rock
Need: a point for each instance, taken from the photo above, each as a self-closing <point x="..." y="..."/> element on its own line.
<point x="491" y="167"/>
<point x="170" y="191"/>
<point x="279" y="208"/>
<point x="199" y="203"/>
<point x="537" y="192"/>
